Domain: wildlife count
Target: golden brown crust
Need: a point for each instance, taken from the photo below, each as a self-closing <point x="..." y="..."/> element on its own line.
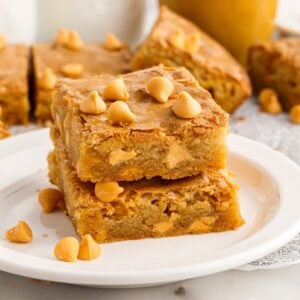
<point x="14" y="61"/>
<point x="94" y="58"/>
<point x="211" y="64"/>
<point x="148" y="208"/>
<point x="276" y="65"/>
<point x="90" y="139"/>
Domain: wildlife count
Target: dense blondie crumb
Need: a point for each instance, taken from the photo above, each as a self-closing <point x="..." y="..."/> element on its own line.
<point x="148" y="208"/>
<point x="14" y="62"/>
<point x="276" y="65"/>
<point x="92" y="59"/>
<point x="156" y="143"/>
<point x="214" y="68"/>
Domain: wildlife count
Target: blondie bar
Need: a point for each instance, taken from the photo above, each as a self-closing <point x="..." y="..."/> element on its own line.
<point x="156" y="143"/>
<point x="14" y="62"/>
<point x="276" y="65"/>
<point x="70" y="57"/>
<point x="175" y="41"/>
<point x="147" y="208"/>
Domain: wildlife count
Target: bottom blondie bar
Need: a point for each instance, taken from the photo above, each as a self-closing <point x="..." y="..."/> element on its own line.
<point x="148" y="208"/>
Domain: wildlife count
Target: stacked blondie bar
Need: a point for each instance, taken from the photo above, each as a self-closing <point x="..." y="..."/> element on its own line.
<point x="142" y="155"/>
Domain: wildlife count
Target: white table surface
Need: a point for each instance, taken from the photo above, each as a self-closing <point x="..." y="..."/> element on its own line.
<point x="276" y="284"/>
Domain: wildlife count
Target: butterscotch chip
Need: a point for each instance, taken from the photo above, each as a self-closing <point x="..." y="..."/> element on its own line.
<point x="72" y="70"/>
<point x="67" y="249"/>
<point x="21" y="233"/>
<point x="2" y="42"/>
<point x="160" y="88"/>
<point x="116" y="90"/>
<point x="61" y="37"/>
<point x="269" y="102"/>
<point x="177" y="39"/>
<point x="107" y="191"/>
<point x="93" y="104"/>
<point x="50" y="198"/>
<point x="120" y="113"/>
<point x="112" y="42"/>
<point x="47" y="80"/>
<point x="74" y="41"/>
<point x="191" y="43"/>
<point x="295" y="114"/>
<point x="118" y="156"/>
<point x="163" y="227"/>
<point x="177" y="153"/>
<point x="185" y="106"/>
<point x="88" y="249"/>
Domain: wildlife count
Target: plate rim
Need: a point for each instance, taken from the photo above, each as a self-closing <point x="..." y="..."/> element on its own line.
<point x="152" y="276"/>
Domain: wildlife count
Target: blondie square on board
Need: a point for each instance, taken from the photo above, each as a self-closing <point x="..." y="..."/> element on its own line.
<point x="276" y="64"/>
<point x="157" y="143"/>
<point x="175" y="41"/>
<point x="67" y="57"/>
<point x="14" y="62"/>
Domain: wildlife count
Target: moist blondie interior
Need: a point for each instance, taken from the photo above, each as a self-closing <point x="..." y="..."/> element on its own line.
<point x="162" y="144"/>
<point x="276" y="64"/>
<point x="148" y="208"/>
<point x="94" y="58"/>
<point x="214" y="68"/>
<point x="14" y="62"/>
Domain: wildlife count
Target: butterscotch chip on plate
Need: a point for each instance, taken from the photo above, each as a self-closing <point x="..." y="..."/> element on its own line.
<point x="147" y="208"/>
<point x="49" y="199"/>
<point x="276" y="65"/>
<point x="14" y="63"/>
<point x="21" y="233"/>
<point x="162" y="143"/>
<point x="88" y="248"/>
<point x="175" y="41"/>
<point x="67" y="249"/>
<point x="69" y="56"/>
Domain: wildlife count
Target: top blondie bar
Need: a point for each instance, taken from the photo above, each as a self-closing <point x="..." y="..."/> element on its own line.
<point x="175" y="41"/>
<point x="178" y="132"/>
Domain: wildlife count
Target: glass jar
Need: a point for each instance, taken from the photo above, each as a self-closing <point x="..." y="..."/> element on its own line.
<point x="234" y="23"/>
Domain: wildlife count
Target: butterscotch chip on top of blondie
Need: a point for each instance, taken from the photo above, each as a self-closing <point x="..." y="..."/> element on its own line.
<point x="14" y="62"/>
<point x="175" y="41"/>
<point x="69" y="56"/>
<point x="276" y="64"/>
<point x="140" y="137"/>
<point x="147" y="208"/>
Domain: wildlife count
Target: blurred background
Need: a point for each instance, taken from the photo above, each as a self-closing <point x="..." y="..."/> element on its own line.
<point x="235" y="23"/>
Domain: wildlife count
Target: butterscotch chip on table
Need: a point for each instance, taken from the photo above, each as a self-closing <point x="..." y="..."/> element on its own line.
<point x="276" y="64"/>
<point x="140" y="137"/>
<point x="147" y="208"/>
<point x="4" y="132"/>
<point x="69" y="56"/>
<point x="175" y="41"/>
<point x="14" y="62"/>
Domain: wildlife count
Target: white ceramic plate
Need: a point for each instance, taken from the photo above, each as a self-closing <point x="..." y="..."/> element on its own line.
<point x="288" y="16"/>
<point x="269" y="197"/>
